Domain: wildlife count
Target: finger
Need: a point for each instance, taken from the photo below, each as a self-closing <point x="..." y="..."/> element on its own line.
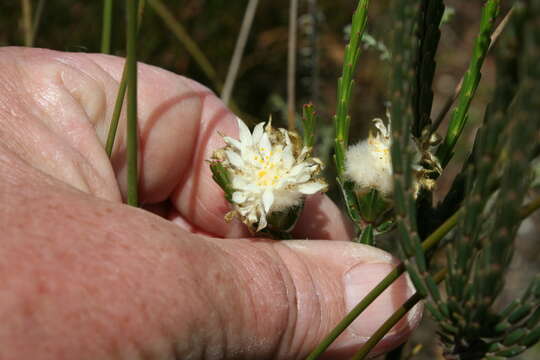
<point x="45" y="123"/>
<point x="197" y="198"/>
<point x="321" y="219"/>
<point x="134" y="285"/>
<point x="179" y="122"/>
<point x="175" y="217"/>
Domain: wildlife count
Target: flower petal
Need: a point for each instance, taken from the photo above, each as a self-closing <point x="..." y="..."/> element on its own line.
<point x="383" y="130"/>
<point x="265" y="146"/>
<point x="288" y="159"/>
<point x="303" y="154"/>
<point x="302" y="178"/>
<point x="240" y="183"/>
<point x="232" y="142"/>
<point x="267" y="199"/>
<point x="297" y="169"/>
<point x="311" y="187"/>
<point x="257" y="133"/>
<point x="243" y="132"/>
<point x="262" y="222"/>
<point x="234" y="159"/>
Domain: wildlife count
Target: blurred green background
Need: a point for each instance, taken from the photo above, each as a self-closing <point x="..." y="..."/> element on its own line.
<point x="260" y="89"/>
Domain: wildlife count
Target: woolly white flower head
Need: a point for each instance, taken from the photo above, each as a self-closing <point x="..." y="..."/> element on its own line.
<point x="269" y="171"/>
<point x="369" y="163"/>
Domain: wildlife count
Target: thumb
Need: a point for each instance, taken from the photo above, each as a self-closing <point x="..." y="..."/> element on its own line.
<point x="131" y="284"/>
<point x="297" y="291"/>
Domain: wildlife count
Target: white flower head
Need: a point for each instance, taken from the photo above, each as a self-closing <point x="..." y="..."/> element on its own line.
<point x="369" y="163"/>
<point x="269" y="170"/>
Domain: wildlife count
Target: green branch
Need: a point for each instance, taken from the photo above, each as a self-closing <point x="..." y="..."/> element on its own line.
<point x="450" y="100"/>
<point x="342" y="118"/>
<point x="470" y="82"/>
<point x="439" y="277"/>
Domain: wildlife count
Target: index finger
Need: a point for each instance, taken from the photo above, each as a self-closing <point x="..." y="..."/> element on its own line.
<point x="180" y="122"/>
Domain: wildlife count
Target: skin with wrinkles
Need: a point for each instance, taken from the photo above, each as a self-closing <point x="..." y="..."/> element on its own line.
<point x="84" y="276"/>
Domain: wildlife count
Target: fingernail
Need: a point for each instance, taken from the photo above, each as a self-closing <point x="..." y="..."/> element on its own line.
<point x="359" y="281"/>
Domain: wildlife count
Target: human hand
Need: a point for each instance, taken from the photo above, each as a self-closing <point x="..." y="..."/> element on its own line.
<point x="85" y="277"/>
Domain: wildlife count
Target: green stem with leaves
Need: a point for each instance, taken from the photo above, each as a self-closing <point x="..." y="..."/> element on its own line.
<point x="412" y="301"/>
<point x="342" y="118"/>
<point x="470" y="82"/>
<point x="450" y="100"/>
<point x="525" y="211"/>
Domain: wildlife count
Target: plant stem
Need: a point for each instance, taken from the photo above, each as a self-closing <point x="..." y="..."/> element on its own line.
<point x="356" y="311"/>
<point x="441" y="231"/>
<point x="429" y="243"/>
<point x="291" y="65"/>
<point x="342" y="118"/>
<point x="239" y="50"/>
<point x="106" y="27"/>
<point x="367" y="236"/>
<point x="524" y="212"/>
<point x="195" y="51"/>
<point x="191" y="46"/>
<point x="309" y="120"/>
<point x="132" y="136"/>
<point x="470" y="82"/>
<point x="393" y="320"/>
<point x="119" y="102"/>
<point x="450" y="101"/>
<point x="345" y="85"/>
<point x="37" y="19"/>
<point x="116" y="113"/>
<point x="27" y="22"/>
